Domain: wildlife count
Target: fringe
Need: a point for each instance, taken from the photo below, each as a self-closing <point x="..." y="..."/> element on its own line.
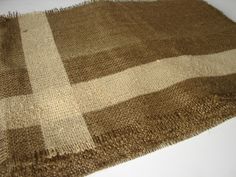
<point x="12" y="15"/>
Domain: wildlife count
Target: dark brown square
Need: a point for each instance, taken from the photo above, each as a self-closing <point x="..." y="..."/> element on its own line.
<point x="14" y="82"/>
<point x="25" y="140"/>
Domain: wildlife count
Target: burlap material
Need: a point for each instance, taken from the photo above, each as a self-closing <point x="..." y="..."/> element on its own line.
<point x="88" y="87"/>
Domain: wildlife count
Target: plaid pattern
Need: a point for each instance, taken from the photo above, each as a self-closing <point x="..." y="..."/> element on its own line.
<point x="81" y="91"/>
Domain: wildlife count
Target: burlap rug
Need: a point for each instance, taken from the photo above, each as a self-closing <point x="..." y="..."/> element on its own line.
<point x="91" y="86"/>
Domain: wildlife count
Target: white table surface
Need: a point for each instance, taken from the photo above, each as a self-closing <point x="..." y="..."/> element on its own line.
<point x="210" y="154"/>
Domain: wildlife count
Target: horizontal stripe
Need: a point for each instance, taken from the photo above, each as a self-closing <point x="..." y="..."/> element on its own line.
<point x="23" y="111"/>
<point x="151" y="134"/>
<point x="184" y="104"/>
<point x="99" y="93"/>
<point x="88" y="67"/>
<point x="179" y="110"/>
<point x="121" y="35"/>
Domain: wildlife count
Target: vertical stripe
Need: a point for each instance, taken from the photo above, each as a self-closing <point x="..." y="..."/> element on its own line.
<point x="62" y="124"/>
<point x="42" y="58"/>
<point x="3" y="137"/>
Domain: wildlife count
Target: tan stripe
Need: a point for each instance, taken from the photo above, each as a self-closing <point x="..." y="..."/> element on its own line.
<point x="3" y="136"/>
<point x="183" y="103"/>
<point x="43" y="61"/>
<point x="22" y="111"/>
<point x="96" y="65"/>
<point x="63" y="126"/>
<point x="99" y="93"/>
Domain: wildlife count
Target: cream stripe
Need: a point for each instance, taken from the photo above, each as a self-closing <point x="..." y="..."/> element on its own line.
<point x="43" y="60"/>
<point x="99" y="93"/>
<point x="63" y="126"/>
<point x="109" y="90"/>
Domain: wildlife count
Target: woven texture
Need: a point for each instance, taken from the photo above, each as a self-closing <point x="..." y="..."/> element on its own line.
<point x="91" y="86"/>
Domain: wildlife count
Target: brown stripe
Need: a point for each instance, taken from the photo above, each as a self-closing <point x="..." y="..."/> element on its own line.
<point x="65" y="102"/>
<point x="13" y="56"/>
<point x="3" y="30"/>
<point x="13" y="71"/>
<point x="123" y="35"/>
<point x="84" y="68"/>
<point x="154" y="108"/>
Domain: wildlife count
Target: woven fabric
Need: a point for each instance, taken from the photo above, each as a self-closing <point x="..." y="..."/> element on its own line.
<point x="91" y="86"/>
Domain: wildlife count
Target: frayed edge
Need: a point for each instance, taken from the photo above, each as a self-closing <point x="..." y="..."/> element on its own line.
<point x="10" y="15"/>
<point x="15" y="14"/>
<point x="39" y="158"/>
<point x="31" y="166"/>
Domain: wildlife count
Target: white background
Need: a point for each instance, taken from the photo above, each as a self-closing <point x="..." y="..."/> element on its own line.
<point x="210" y="154"/>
